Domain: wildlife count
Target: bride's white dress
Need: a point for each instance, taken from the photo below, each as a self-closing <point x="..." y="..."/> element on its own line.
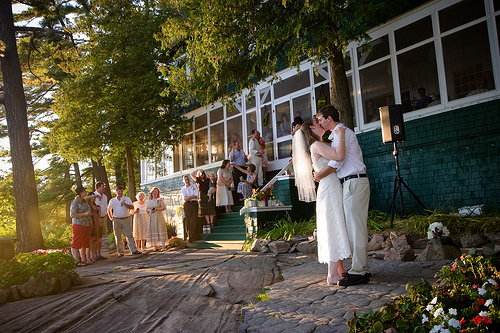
<point x="333" y="242"/>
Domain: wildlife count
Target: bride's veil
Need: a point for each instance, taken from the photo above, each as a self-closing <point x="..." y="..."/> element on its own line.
<point x="302" y="167"/>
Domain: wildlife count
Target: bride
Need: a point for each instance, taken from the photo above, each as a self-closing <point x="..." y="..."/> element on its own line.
<point x="308" y="151"/>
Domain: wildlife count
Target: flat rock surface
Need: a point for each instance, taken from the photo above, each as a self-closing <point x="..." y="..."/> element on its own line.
<point x="184" y="290"/>
<point x="208" y="290"/>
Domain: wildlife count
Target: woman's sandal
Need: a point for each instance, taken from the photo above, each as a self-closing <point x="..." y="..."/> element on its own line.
<point x="80" y="264"/>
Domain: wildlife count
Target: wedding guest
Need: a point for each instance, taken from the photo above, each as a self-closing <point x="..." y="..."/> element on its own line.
<point x="140" y="228"/>
<point x="255" y="156"/>
<point x="424" y="100"/>
<point x="190" y="194"/>
<point x="95" y="236"/>
<point x="212" y="186"/>
<point x="265" y="161"/>
<point x="207" y="207"/>
<point x="81" y="216"/>
<point x="237" y="156"/>
<point x="246" y="186"/>
<point x="285" y="126"/>
<point x="297" y="122"/>
<point x="157" y="228"/>
<point x="119" y="212"/>
<point x="224" y="196"/>
<point x="101" y="200"/>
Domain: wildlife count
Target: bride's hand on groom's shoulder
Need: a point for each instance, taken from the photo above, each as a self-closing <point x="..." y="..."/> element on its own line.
<point x="340" y="130"/>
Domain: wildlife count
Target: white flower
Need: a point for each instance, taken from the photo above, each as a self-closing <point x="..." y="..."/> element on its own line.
<point x="454" y="323"/>
<point x="488" y="302"/>
<point x="438" y="312"/>
<point x="483" y="313"/>
<point x="445" y="330"/>
<point x="446" y="233"/>
<point x="493" y="282"/>
<point x="424" y="318"/>
<point x="434" y="300"/>
<point x="481" y="291"/>
<point x="429" y="307"/>
<point x="436" y="328"/>
<point x="453" y="312"/>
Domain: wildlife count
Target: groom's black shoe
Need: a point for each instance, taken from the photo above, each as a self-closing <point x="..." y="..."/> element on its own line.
<point x="352" y="279"/>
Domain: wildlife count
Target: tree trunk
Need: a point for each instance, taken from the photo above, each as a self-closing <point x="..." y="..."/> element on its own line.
<point x="119" y="174"/>
<point x="101" y="175"/>
<point x="29" y="232"/>
<point x="78" y="176"/>
<point x="341" y="98"/>
<point x="130" y="173"/>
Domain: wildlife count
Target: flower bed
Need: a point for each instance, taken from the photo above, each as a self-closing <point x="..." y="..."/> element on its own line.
<point x="465" y="298"/>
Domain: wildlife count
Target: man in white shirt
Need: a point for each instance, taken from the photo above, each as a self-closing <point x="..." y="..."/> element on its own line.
<point x="190" y="193"/>
<point x="101" y="200"/>
<point x="356" y="194"/>
<point x="119" y="212"/>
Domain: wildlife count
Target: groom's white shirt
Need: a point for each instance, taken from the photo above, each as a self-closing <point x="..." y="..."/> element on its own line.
<point x="353" y="161"/>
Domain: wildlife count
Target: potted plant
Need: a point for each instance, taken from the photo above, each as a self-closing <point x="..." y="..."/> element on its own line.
<point x="264" y="196"/>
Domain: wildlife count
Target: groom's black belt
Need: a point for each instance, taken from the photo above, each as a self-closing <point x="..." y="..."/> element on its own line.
<point x="361" y="175"/>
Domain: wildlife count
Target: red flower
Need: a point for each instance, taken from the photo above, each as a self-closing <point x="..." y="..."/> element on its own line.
<point x="477" y="320"/>
<point x="487" y="320"/>
<point x="462" y="321"/>
<point x="480" y="301"/>
<point x="263" y="197"/>
<point x="271" y="186"/>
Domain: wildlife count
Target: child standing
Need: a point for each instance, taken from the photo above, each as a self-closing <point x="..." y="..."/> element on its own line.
<point x="245" y="185"/>
<point x="212" y="185"/>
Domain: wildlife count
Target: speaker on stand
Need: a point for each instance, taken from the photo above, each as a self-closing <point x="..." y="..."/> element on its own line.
<point x="393" y="130"/>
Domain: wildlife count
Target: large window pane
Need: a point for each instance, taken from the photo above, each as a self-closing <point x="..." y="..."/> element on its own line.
<point x="216" y="115"/>
<point x="322" y="74"/>
<point x="265" y="95"/>
<point x="234" y="131"/>
<point x="267" y="130"/>
<point x="251" y="123"/>
<point x="201" y="138"/>
<point x="376" y="86"/>
<point x="417" y="69"/>
<point x="200" y="121"/>
<point x="379" y="49"/>
<point x="322" y="94"/>
<point x="466" y="58"/>
<point x="283" y="125"/>
<point x="294" y="83"/>
<point x="460" y="13"/>
<point x="496" y="5"/>
<point x="406" y="36"/>
<point x="217" y="142"/>
<point x="187" y="152"/>
<point x="250" y="102"/>
<point x="234" y="109"/>
<point x="302" y="107"/>
<point x="285" y="149"/>
<point x="177" y="159"/>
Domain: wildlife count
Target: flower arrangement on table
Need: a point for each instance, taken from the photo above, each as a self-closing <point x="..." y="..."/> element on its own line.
<point x="264" y="195"/>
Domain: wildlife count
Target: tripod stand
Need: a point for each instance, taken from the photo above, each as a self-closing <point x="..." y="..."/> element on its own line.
<point x="398" y="181"/>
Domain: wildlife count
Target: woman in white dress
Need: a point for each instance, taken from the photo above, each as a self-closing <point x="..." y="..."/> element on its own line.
<point x="224" y="196"/>
<point x="333" y="242"/>
<point x="157" y="228"/>
<point x="140" y="220"/>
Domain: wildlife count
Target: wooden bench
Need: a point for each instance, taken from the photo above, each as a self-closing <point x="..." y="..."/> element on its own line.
<point x="7" y="249"/>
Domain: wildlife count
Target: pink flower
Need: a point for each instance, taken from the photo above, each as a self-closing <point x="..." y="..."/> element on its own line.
<point x="474" y="286"/>
<point x="462" y="321"/>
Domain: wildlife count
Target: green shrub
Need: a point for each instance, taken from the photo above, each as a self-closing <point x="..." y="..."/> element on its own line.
<point x="21" y="268"/>
<point x="57" y="236"/>
<point x="464" y="299"/>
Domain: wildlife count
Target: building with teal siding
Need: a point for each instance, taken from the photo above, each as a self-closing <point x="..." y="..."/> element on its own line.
<point x="450" y="157"/>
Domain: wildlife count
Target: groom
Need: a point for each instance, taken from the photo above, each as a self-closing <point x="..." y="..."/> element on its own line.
<point x="355" y="192"/>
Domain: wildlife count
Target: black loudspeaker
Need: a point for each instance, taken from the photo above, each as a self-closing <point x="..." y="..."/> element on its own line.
<point x="393" y="126"/>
